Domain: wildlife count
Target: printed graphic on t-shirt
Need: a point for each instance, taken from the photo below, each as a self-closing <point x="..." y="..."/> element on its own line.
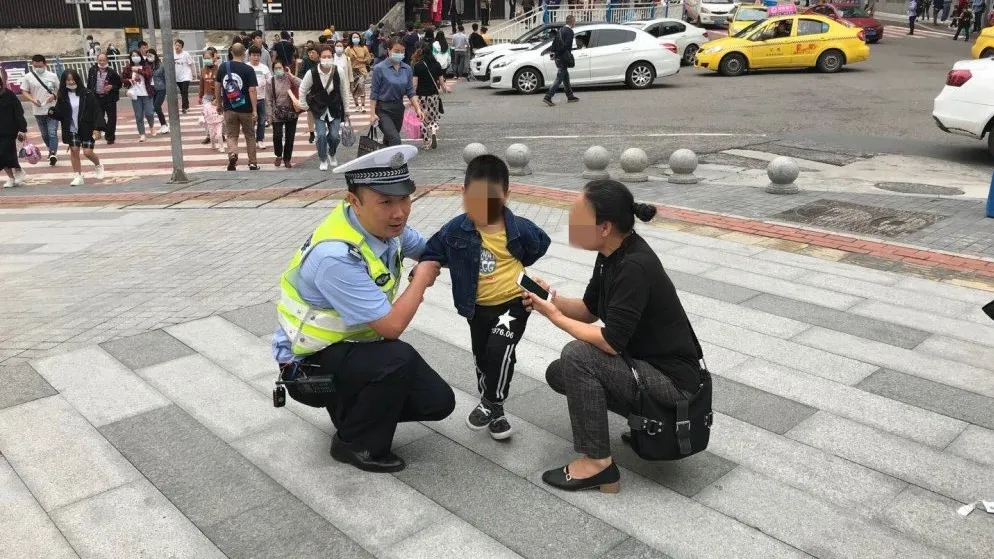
<point x="232" y="77"/>
<point x="488" y="262"/>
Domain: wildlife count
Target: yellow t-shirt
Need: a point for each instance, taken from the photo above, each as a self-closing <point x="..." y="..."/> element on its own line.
<point x="498" y="271"/>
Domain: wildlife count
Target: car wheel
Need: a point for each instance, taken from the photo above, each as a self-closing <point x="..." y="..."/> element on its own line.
<point x="640" y="75"/>
<point x="874" y="40"/>
<point x="987" y="53"/>
<point x="527" y="80"/>
<point x="830" y="61"/>
<point x="689" y="54"/>
<point x="732" y="65"/>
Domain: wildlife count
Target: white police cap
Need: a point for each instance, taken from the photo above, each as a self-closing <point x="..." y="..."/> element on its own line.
<point x="384" y="170"/>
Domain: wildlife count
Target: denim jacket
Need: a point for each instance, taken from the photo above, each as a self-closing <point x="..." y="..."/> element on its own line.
<point x="458" y="243"/>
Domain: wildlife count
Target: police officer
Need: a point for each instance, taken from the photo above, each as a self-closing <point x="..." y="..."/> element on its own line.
<point x="340" y="316"/>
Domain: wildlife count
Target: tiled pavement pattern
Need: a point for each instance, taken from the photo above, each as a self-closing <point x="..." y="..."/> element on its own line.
<point x="854" y="409"/>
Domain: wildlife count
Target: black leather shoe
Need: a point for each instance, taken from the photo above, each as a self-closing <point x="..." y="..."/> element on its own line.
<point x="607" y="480"/>
<point x="362" y="459"/>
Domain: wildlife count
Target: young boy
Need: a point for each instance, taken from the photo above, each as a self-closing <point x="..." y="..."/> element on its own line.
<point x="486" y="249"/>
<point x="963" y="23"/>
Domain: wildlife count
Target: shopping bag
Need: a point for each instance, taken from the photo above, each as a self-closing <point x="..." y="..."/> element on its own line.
<point x="412" y="125"/>
<point x="368" y="143"/>
<point x="347" y="133"/>
<point x="29" y="153"/>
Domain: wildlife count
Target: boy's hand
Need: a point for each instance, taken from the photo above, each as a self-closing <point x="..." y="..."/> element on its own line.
<point x="427" y="272"/>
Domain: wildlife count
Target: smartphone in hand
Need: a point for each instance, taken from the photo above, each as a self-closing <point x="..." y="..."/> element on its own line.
<point x="532" y="287"/>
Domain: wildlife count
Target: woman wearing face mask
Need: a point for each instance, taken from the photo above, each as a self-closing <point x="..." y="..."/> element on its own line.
<point x="78" y="109"/>
<point x="344" y="66"/>
<point x="310" y="62"/>
<point x="159" y="82"/>
<point x="322" y="92"/>
<point x="361" y="60"/>
<point x="13" y="129"/>
<point x="138" y="79"/>
<point x="283" y="108"/>
<point x="206" y="89"/>
<point x="429" y="83"/>
<point x="392" y="81"/>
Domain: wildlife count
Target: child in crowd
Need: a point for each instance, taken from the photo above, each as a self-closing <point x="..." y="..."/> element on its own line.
<point x="964" y="20"/>
<point x="486" y="249"/>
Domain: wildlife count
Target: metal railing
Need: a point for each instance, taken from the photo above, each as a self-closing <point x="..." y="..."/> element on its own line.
<point x="82" y="64"/>
<point x="614" y="12"/>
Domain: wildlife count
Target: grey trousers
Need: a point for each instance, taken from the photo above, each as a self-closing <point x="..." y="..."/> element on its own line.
<point x="391" y="115"/>
<point x="595" y="382"/>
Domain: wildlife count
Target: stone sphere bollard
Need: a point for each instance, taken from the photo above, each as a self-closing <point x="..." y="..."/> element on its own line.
<point x="783" y="172"/>
<point x="595" y="162"/>
<point x="634" y="162"/>
<point x="517" y="157"/>
<point x="683" y="162"/>
<point x="472" y="151"/>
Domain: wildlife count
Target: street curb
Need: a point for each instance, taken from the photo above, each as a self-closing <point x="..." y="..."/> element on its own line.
<point x="725" y="222"/>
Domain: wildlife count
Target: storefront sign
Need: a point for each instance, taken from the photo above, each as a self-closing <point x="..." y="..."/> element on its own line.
<point x="109" y="6"/>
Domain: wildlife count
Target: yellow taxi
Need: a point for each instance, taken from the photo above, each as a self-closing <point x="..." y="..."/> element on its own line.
<point x="791" y="41"/>
<point x="984" y="46"/>
<point x="743" y="16"/>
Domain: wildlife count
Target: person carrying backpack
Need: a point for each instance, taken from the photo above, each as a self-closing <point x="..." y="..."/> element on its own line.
<point x="236" y="96"/>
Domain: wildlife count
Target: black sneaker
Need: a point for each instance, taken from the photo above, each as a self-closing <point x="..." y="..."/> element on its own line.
<point x="482" y="414"/>
<point x="310" y="139"/>
<point x="500" y="428"/>
<point x="573" y="100"/>
<point x="232" y="162"/>
<point x="253" y="167"/>
<point x="549" y="102"/>
<point x="205" y="141"/>
<point x="52" y="159"/>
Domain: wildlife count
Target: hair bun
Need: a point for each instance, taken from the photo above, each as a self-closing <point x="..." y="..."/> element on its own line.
<point x="644" y="212"/>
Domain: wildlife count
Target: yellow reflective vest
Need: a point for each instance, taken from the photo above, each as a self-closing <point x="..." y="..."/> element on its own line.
<point x="311" y="329"/>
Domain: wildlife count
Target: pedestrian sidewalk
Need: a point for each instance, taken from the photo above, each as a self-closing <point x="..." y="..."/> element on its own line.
<point x="136" y="419"/>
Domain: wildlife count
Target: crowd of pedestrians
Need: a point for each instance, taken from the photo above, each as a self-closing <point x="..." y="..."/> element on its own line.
<point x="250" y="88"/>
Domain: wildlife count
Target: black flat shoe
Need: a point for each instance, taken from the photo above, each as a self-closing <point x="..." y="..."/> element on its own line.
<point x="626" y="438"/>
<point x="607" y="480"/>
<point x="362" y="459"/>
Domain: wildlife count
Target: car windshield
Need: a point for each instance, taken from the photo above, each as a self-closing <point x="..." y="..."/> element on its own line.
<point x="853" y="11"/>
<point x="534" y="35"/>
<point x="718" y="2"/>
<point x="748" y="30"/>
<point x="750" y="14"/>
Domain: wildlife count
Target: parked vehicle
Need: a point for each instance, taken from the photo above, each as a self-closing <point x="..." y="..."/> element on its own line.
<point x="965" y="106"/>
<point x="745" y="15"/>
<point x="854" y="14"/>
<point x="708" y="12"/>
<point x="604" y="53"/>
<point x="483" y="58"/>
<point x="793" y="41"/>
<point x="983" y="47"/>
<point x="688" y="38"/>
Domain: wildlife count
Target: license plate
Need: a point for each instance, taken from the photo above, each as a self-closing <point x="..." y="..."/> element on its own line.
<point x="720" y="21"/>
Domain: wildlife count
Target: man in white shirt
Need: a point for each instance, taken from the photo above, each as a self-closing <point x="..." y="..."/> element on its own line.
<point x="39" y="87"/>
<point x="264" y="57"/>
<point x="263" y="75"/>
<point x="185" y="70"/>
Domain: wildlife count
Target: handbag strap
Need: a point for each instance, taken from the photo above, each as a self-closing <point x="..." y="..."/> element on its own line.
<point x="653" y="426"/>
<point x="42" y="83"/>
<point x="433" y="81"/>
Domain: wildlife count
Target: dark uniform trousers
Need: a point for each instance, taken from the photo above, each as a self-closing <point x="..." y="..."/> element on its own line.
<point x="108" y="106"/>
<point x="378" y="385"/>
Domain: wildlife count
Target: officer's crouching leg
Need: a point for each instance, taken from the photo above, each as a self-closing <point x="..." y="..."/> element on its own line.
<point x="430" y="398"/>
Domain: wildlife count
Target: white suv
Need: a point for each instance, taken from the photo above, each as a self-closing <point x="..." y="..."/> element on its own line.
<point x="965" y="105"/>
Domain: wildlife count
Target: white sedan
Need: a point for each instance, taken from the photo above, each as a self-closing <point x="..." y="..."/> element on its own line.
<point x="965" y="106"/>
<point x="604" y="53"/>
<point x="688" y="38"/>
<point x="484" y="57"/>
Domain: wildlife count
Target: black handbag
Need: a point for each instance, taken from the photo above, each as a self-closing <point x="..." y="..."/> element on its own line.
<point x="368" y="143"/>
<point x="661" y="432"/>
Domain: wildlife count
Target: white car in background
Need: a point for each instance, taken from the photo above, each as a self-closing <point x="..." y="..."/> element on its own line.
<point x="604" y="53"/>
<point x="708" y="12"/>
<point x="688" y="38"/>
<point x="483" y="58"/>
<point x="965" y="106"/>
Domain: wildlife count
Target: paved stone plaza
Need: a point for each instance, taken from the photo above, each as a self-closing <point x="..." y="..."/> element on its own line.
<point x="854" y="407"/>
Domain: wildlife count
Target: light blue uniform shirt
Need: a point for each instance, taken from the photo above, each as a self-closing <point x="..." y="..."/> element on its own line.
<point x="331" y="278"/>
